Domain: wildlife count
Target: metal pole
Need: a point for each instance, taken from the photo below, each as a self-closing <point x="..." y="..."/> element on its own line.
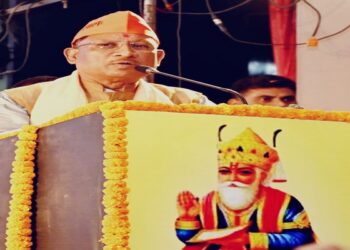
<point x="150" y="16"/>
<point x="150" y="13"/>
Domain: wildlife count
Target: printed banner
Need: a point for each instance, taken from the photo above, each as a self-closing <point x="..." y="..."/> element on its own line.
<point x="170" y="153"/>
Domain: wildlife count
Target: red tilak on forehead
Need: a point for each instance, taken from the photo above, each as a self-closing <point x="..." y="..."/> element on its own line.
<point x="234" y="166"/>
<point x="125" y="35"/>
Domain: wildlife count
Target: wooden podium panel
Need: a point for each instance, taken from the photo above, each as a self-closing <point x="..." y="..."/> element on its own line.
<point x="70" y="178"/>
<point x="7" y="155"/>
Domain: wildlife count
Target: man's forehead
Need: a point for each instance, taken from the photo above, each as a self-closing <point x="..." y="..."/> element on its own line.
<point x="118" y="37"/>
<point x="270" y="91"/>
<point x="238" y="166"/>
<point x="128" y="36"/>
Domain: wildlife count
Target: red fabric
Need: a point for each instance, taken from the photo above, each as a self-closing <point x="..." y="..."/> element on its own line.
<point x="202" y="246"/>
<point x="274" y="200"/>
<point x="283" y="31"/>
<point x="208" y="213"/>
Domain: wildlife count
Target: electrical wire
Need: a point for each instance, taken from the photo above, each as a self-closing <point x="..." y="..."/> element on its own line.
<point x="335" y="33"/>
<point x="319" y="17"/>
<point x="217" y="21"/>
<point x="221" y="26"/>
<point x="178" y="39"/>
<point x="8" y="21"/>
<point x="206" y="13"/>
<point x="28" y="34"/>
<point x="287" y="6"/>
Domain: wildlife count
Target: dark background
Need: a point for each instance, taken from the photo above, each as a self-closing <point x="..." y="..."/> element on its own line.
<point x="207" y="54"/>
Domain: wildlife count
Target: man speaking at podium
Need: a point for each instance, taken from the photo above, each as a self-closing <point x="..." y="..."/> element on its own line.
<point x="105" y="52"/>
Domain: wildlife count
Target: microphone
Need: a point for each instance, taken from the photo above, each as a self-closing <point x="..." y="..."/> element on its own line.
<point x="149" y="70"/>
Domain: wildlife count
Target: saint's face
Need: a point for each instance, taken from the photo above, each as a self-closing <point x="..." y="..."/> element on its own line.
<point x="239" y="186"/>
<point x="245" y="174"/>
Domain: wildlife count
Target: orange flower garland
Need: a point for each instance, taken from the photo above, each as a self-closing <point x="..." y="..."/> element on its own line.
<point x="18" y="227"/>
<point x="115" y="223"/>
<point x="242" y="110"/>
<point x="88" y="109"/>
<point x="7" y="135"/>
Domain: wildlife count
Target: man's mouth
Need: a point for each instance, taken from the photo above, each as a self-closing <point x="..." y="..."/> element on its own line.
<point x="232" y="185"/>
<point x="126" y="63"/>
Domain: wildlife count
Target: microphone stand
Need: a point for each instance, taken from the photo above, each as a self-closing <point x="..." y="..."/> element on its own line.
<point x="149" y="70"/>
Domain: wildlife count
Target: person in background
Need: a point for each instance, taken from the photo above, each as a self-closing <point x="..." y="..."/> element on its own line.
<point x="105" y="52"/>
<point x="268" y="90"/>
<point x="32" y="80"/>
<point x="12" y="116"/>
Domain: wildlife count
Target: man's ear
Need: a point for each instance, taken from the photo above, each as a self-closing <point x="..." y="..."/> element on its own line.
<point x="233" y="101"/>
<point x="160" y="56"/>
<point x="71" y="55"/>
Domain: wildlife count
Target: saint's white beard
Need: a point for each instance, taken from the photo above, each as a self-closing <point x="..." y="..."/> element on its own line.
<point x="239" y="197"/>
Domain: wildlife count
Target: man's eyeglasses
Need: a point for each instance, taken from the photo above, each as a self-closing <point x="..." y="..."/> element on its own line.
<point x="116" y="45"/>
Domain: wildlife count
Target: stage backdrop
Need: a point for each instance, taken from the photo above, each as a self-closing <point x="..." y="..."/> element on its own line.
<point x="170" y="152"/>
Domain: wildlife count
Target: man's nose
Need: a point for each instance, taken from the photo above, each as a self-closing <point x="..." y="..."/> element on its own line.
<point x="233" y="176"/>
<point x="278" y="103"/>
<point x="124" y="50"/>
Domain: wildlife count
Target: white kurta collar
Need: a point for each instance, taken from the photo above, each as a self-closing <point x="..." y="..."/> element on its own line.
<point x="148" y="93"/>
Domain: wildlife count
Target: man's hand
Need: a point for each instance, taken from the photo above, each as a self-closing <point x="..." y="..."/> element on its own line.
<point x="187" y="206"/>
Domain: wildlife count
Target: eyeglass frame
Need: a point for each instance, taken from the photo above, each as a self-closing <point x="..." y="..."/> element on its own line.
<point x="117" y="45"/>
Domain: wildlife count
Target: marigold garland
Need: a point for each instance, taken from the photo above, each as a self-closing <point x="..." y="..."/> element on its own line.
<point x="7" y="135"/>
<point x="242" y="110"/>
<point x="82" y="111"/>
<point x="115" y="223"/>
<point x="18" y="227"/>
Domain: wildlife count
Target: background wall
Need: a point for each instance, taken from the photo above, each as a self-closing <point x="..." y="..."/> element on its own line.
<point x="323" y="72"/>
<point x="190" y="39"/>
<point x="206" y="53"/>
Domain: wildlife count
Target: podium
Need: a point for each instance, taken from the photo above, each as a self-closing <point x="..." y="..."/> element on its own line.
<point x="108" y="174"/>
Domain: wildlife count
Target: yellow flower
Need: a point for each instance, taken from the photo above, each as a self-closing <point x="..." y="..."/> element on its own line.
<point x="25" y="144"/>
<point x="110" y="147"/>
<point x="115" y="225"/>
<point x="18" y="227"/>
<point x="115" y="162"/>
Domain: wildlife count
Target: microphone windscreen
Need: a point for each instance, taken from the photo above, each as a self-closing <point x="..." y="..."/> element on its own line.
<point x="143" y="69"/>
